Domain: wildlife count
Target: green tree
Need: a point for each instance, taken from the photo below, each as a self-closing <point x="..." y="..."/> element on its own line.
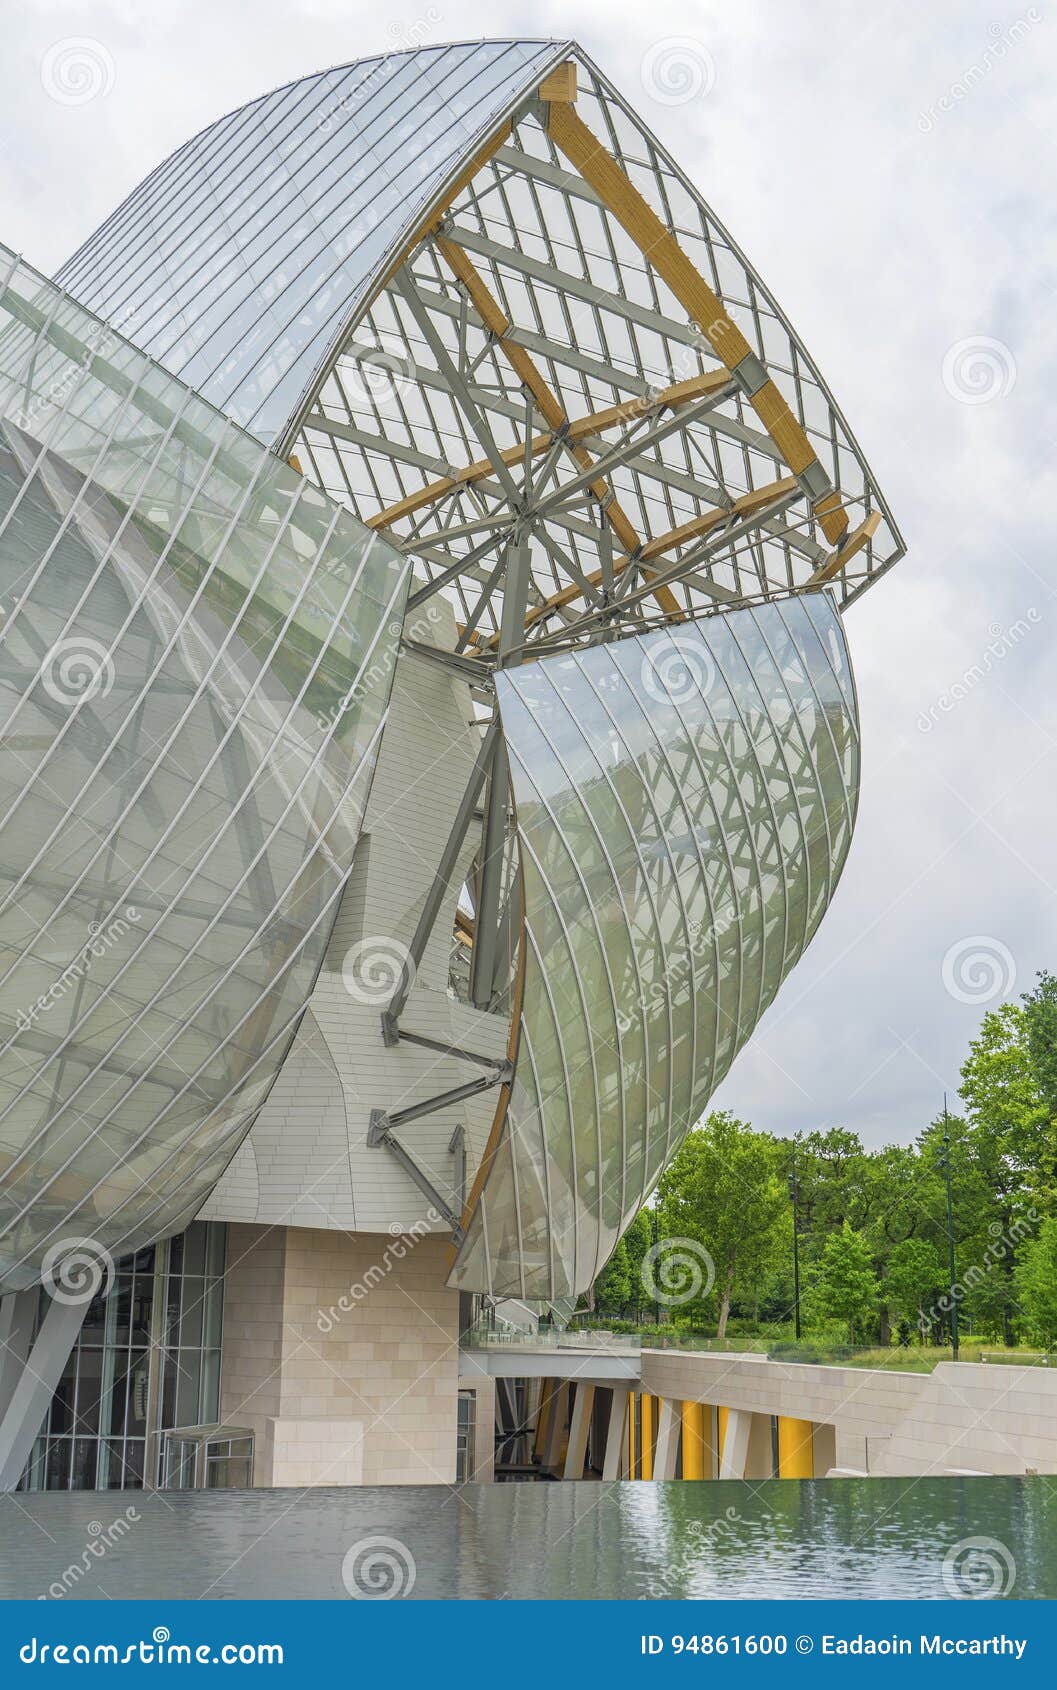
<point x="913" y="1278"/>
<point x="846" y="1285"/>
<point x="722" y="1192"/>
<point x="1036" y="1281"/>
<point x="612" y="1290"/>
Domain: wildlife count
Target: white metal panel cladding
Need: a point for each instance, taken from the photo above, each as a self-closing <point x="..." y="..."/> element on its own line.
<point x="685" y="801"/>
<point x="197" y="656"/>
<point x="240" y="259"/>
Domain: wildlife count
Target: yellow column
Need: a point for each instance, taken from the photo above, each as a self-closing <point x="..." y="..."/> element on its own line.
<point x="694" y="1445"/>
<point x="647" y="1436"/>
<point x="721" y="1428"/>
<point x="794" y="1448"/>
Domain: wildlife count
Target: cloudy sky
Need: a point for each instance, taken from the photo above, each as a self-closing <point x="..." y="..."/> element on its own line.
<point x="889" y="170"/>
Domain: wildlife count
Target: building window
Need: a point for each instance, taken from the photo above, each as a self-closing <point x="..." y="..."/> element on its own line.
<point x="466" y="1437"/>
<point x="147" y="1358"/>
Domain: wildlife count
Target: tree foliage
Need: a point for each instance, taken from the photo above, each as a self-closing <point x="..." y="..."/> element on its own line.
<point x="872" y="1223"/>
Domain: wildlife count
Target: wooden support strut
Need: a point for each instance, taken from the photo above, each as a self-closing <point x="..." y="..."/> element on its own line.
<point x="547" y="402"/>
<point x="668" y="542"/>
<point x="659" y="246"/>
<point x="596" y="422"/>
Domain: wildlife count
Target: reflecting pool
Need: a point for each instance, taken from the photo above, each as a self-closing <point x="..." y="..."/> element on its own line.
<point x="852" y="1538"/>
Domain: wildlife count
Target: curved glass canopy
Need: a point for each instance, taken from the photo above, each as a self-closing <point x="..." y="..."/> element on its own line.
<point x="198" y="650"/>
<point x="684" y="803"/>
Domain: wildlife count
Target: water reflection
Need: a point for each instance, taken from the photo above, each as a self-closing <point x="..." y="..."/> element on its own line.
<point x="833" y="1538"/>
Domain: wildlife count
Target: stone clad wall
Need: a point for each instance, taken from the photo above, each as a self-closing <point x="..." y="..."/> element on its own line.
<point x="341" y="1352"/>
<point x="961" y="1417"/>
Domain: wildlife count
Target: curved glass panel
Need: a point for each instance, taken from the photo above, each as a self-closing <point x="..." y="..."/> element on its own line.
<point x="239" y="260"/>
<point x="197" y="658"/>
<point x="685" y="802"/>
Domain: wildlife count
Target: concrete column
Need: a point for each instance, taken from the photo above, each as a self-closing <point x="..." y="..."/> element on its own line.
<point x="735" y="1426"/>
<point x="552" y="1439"/>
<point x="823" y="1450"/>
<point x="759" y="1461"/>
<point x="35" y="1387"/>
<point x="575" y="1455"/>
<point x="614" y="1464"/>
<point x="668" y="1424"/>
<point x="18" y="1311"/>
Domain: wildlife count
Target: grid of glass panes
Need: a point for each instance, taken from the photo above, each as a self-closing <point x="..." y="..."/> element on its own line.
<point x="229" y="1463"/>
<point x="190" y="1328"/>
<point x="466" y="1436"/>
<point x="148" y="1357"/>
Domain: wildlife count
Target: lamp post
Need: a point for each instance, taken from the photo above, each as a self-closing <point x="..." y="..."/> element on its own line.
<point x="794" y="1193"/>
<point x="945" y="1164"/>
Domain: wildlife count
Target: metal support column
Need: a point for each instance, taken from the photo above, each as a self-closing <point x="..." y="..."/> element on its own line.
<point x="36" y="1387"/>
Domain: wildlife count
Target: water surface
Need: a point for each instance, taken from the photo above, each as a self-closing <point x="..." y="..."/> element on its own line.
<point x="849" y="1538"/>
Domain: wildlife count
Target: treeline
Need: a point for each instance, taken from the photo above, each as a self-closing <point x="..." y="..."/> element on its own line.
<point x="872" y="1225"/>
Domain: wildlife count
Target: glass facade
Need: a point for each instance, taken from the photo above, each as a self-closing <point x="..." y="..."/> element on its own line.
<point x="685" y="802"/>
<point x="198" y="658"/>
<point x="147" y="1358"/>
<point x="241" y="259"/>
